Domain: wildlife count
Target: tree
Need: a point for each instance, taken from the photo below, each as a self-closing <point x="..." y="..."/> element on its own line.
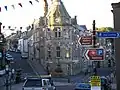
<point x="105" y="29"/>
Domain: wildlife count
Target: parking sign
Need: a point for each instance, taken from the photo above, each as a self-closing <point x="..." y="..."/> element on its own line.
<point x="95" y="54"/>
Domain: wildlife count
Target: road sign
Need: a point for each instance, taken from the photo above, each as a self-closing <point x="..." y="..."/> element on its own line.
<point x="85" y="40"/>
<point x="95" y="83"/>
<point x="108" y="34"/>
<point x="95" y="54"/>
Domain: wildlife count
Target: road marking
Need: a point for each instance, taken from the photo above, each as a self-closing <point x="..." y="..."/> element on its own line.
<point x="33" y="68"/>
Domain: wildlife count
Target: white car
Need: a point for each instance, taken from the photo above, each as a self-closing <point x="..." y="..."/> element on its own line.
<point x="39" y="83"/>
<point x="9" y="57"/>
<point x="2" y="72"/>
<point x="24" y="55"/>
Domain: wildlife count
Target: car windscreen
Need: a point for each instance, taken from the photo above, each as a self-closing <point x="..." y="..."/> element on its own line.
<point x="9" y="56"/>
<point x="33" y="83"/>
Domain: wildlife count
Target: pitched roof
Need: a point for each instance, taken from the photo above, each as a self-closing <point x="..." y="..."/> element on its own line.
<point x="82" y="27"/>
<point x="58" y="5"/>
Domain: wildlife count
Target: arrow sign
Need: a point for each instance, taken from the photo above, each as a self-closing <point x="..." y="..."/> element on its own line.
<point x="95" y="54"/>
<point x="86" y="40"/>
<point x="108" y="34"/>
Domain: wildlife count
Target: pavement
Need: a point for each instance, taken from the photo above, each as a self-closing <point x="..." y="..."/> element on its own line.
<point x="39" y="70"/>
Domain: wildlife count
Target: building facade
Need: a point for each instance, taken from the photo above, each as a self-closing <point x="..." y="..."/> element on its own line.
<point x="55" y="39"/>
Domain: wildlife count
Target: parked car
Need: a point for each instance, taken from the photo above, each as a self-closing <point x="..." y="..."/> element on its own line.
<point x="18" y="51"/>
<point x="83" y="86"/>
<point x="38" y="83"/>
<point x="7" y="54"/>
<point x="9" y="58"/>
<point x="2" y="72"/>
<point x="24" y="55"/>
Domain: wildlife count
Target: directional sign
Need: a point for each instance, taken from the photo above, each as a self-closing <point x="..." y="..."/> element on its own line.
<point x="86" y="40"/>
<point x="108" y="34"/>
<point x="95" y="54"/>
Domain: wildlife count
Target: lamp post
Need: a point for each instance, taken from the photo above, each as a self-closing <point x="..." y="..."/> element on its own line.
<point x="7" y="77"/>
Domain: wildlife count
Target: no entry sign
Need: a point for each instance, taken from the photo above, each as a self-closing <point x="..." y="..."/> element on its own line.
<point x="95" y="54"/>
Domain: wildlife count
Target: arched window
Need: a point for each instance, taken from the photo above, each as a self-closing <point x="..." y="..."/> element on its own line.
<point x="57" y="51"/>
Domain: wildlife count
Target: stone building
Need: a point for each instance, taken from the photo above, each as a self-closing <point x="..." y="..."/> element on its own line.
<point x="12" y="40"/>
<point x="55" y="37"/>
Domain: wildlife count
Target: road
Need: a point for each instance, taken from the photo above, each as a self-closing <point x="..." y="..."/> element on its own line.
<point x="21" y="63"/>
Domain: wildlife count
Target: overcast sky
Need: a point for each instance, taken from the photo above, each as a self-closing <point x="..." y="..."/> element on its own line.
<point x="86" y="11"/>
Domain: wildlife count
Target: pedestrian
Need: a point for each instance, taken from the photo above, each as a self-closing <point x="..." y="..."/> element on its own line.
<point x="95" y="71"/>
<point x="112" y="77"/>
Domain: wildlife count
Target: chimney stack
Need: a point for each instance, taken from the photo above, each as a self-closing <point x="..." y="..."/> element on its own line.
<point x="75" y="18"/>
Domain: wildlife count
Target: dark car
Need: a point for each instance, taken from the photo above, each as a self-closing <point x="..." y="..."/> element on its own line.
<point x="83" y="86"/>
<point x="18" y="51"/>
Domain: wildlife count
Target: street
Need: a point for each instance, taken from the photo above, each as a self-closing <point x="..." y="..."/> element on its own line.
<point x="21" y="63"/>
<point x="27" y="70"/>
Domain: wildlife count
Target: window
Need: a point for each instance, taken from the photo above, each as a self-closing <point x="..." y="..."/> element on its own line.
<point x="67" y="53"/>
<point x="45" y="82"/>
<point x="58" y="51"/>
<point x="57" y="32"/>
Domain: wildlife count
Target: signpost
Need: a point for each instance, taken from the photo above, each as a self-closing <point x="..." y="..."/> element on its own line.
<point x="95" y="54"/>
<point x="108" y="34"/>
<point x="85" y="40"/>
<point x="95" y="83"/>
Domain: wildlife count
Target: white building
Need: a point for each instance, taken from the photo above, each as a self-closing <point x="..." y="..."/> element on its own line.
<point x="23" y="41"/>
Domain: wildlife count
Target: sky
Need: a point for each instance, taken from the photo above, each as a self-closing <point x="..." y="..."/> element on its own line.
<point x="85" y="10"/>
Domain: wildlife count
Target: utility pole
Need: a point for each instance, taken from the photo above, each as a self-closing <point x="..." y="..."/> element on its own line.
<point x="0" y="27"/>
<point x="94" y="35"/>
<point x="94" y="46"/>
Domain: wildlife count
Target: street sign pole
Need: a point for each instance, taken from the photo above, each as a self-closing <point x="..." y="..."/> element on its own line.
<point x="94" y="46"/>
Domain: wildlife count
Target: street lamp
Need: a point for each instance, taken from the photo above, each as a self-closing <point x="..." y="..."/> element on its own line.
<point x="7" y="77"/>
